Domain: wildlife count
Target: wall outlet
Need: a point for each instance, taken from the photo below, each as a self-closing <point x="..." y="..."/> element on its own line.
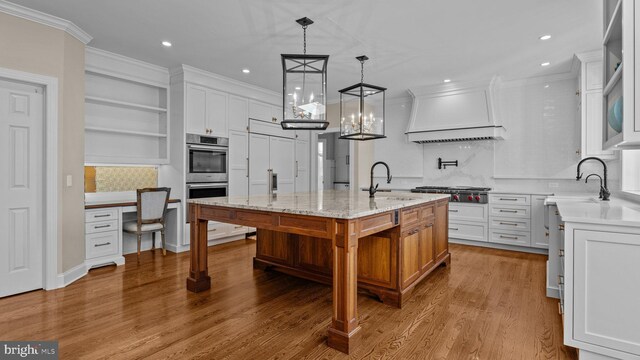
<point x="553" y="185"/>
<point x="69" y="180"/>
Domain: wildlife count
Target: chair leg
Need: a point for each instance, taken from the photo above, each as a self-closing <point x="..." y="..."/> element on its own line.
<point x="153" y="239"/>
<point x="139" y="240"/>
<point x="164" y="248"/>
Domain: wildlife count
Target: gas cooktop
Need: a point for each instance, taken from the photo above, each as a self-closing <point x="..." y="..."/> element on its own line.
<point x="470" y="194"/>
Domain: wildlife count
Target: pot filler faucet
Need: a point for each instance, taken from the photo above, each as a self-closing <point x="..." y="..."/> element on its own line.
<point x="604" y="191"/>
<point x="372" y="190"/>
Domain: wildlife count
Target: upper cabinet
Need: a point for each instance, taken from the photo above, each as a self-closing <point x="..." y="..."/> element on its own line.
<point x="206" y="111"/>
<point x="265" y="112"/>
<point x="589" y="93"/>
<point x="238" y="113"/>
<point x="620" y="124"/>
<point x="126" y="110"/>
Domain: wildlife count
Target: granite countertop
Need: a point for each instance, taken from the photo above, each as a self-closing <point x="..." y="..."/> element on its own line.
<point x="591" y="210"/>
<point x="338" y="204"/>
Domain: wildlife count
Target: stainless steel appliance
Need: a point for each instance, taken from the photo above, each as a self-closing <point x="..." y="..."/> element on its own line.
<point x="207" y="159"/>
<point x="205" y="190"/>
<point x="272" y="178"/>
<point x="469" y="194"/>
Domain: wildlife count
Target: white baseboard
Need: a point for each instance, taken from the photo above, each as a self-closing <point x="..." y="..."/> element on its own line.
<point x="72" y="275"/>
<point x="499" y="246"/>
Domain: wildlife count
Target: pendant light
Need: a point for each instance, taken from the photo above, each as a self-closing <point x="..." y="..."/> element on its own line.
<point x="362" y="109"/>
<point x="304" y="88"/>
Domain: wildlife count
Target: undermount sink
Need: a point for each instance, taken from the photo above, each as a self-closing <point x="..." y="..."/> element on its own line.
<point x="395" y="198"/>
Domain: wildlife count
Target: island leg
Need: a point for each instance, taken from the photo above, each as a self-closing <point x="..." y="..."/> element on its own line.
<point x="344" y="324"/>
<point x="198" y="279"/>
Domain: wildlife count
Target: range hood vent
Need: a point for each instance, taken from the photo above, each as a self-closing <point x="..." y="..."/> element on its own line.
<point x="449" y="113"/>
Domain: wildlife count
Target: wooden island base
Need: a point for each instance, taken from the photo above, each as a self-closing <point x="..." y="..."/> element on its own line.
<point x="386" y="253"/>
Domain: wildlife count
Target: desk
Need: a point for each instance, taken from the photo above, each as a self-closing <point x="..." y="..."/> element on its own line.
<point x="105" y="242"/>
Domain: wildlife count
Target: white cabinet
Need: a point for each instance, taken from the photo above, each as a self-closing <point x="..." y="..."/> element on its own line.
<point x="510" y="219"/>
<point x="238" y="115"/>
<point x="468" y="221"/>
<point x="342" y="160"/>
<point x="556" y="252"/>
<point x="589" y="93"/>
<point x="303" y="158"/>
<point x="275" y="153"/>
<point x="238" y="163"/>
<point x="206" y="111"/>
<point x="602" y="290"/>
<point x="103" y="237"/>
<point x="539" y="235"/>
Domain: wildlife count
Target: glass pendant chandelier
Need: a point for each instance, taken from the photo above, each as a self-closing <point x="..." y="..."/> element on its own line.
<point x="304" y="88"/>
<point x="362" y="109"/>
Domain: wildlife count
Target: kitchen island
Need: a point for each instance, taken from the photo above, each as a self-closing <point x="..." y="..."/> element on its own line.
<point x="384" y="245"/>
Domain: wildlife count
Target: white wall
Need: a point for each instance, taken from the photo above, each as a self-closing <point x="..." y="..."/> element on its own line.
<point x="539" y="154"/>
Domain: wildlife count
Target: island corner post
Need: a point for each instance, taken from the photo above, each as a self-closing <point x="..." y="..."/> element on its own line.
<point x="409" y="233"/>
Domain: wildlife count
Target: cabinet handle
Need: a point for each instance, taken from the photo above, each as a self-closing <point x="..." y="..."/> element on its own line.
<point x="101" y="226"/>
<point x="508" y="223"/>
<point x="509" y="199"/>
<point x="347" y="159"/>
<point x="546" y="233"/>
<point x="508" y="237"/>
<point x="452" y="210"/>
<point x="296" y="168"/>
<point x="101" y="216"/>
<point x="103" y="244"/>
<point x="509" y="211"/>
<point x="561" y="253"/>
<point x="561" y="227"/>
<point x="214" y="229"/>
<point x="238" y="227"/>
<point x="455" y="229"/>
<point x="557" y="212"/>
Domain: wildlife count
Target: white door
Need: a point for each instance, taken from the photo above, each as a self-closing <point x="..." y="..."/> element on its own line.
<point x="217" y="113"/>
<point x="282" y="160"/>
<point x="258" y="164"/>
<point x="196" y="109"/>
<point x="302" y="166"/>
<point x="21" y="188"/>
<point x="238" y="163"/>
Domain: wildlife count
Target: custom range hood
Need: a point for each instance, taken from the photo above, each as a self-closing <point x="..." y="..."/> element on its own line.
<point x="454" y="112"/>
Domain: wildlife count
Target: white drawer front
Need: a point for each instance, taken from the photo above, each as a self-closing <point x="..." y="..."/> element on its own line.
<point x="100" y="215"/>
<point x="516" y="211"/>
<point x="468" y="231"/>
<point x="510" y="199"/>
<point x="218" y="230"/>
<point x="101" y="226"/>
<point x="238" y="230"/>
<point x="101" y="244"/>
<point x="509" y="237"/>
<point x="514" y="224"/>
<point x="468" y="212"/>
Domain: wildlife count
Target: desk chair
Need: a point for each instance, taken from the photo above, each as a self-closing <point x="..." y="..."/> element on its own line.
<point x="152" y="208"/>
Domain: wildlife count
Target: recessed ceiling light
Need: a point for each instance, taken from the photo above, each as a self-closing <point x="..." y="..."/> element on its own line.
<point x="447" y="80"/>
<point x="246" y="71"/>
<point x="545" y="37"/>
<point x="290" y="94"/>
<point x="545" y="64"/>
<point x="298" y="88"/>
<point x="166" y="43"/>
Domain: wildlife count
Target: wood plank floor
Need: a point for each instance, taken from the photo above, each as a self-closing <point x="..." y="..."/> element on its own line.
<point x="490" y="304"/>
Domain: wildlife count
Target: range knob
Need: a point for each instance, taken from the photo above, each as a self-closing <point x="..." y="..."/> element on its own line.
<point x="470" y="198"/>
<point x="478" y="198"/>
<point x="456" y="198"/>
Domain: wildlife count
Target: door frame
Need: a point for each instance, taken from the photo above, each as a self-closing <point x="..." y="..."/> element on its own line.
<point x="50" y="159"/>
<point x="313" y="171"/>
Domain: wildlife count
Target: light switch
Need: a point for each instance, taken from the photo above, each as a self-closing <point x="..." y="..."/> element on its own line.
<point x="69" y="180"/>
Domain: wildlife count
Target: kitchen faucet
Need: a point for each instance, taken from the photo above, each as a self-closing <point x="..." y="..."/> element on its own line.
<point x="604" y="191"/>
<point x="372" y="190"/>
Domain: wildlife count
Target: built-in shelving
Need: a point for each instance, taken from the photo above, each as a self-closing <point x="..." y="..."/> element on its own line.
<point x="105" y="101"/>
<point x="125" y="132"/>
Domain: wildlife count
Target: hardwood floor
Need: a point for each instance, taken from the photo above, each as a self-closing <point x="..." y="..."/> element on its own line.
<point x="490" y="304"/>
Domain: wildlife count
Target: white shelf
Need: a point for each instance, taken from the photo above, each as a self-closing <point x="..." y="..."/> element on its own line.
<point x="124" y="104"/>
<point x="125" y="132"/>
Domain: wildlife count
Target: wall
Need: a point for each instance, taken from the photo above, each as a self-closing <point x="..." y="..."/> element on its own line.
<point x="538" y="155"/>
<point x="35" y="48"/>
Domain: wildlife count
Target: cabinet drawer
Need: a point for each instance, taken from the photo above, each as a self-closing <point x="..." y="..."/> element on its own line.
<point x="468" y="231"/>
<point x="515" y="224"/>
<point x="515" y="211"/>
<point x="101" y="244"/>
<point x="101" y="226"/>
<point x="237" y="230"/>
<point x="510" y="199"/>
<point x="410" y="217"/>
<point x="217" y="230"/>
<point x="100" y="215"/>
<point x="520" y="238"/>
<point x="468" y="212"/>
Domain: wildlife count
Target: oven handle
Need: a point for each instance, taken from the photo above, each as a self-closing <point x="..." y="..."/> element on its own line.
<point x="207" y="185"/>
<point x="209" y="148"/>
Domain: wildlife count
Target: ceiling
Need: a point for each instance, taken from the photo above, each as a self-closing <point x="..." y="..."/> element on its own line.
<point x="410" y="43"/>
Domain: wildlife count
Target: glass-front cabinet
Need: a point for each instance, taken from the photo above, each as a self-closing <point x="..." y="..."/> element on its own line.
<point x="621" y="126"/>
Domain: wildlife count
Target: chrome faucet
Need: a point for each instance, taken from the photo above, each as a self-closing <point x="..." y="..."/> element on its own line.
<point x="604" y="191"/>
<point x="372" y="189"/>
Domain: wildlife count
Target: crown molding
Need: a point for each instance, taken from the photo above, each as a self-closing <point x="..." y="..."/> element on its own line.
<point x="45" y="19"/>
<point x="112" y="64"/>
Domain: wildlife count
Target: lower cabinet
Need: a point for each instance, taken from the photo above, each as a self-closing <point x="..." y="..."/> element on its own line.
<point x="410" y="249"/>
<point x="427" y="248"/>
<point x="103" y="237"/>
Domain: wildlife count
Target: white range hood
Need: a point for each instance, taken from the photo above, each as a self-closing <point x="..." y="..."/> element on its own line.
<point x="454" y="113"/>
